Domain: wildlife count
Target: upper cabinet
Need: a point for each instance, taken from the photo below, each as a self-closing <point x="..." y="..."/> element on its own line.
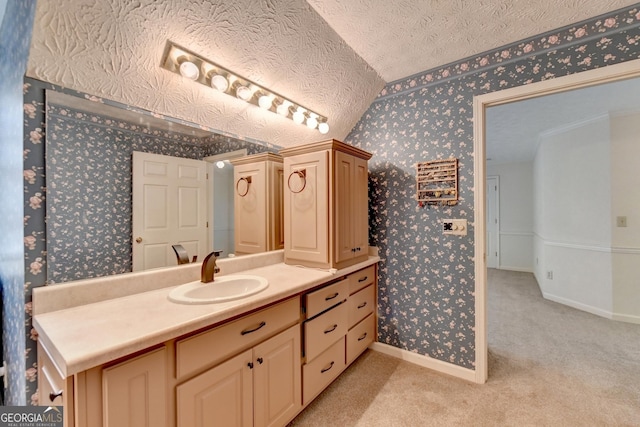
<point x="325" y="204"/>
<point x="258" y="204"/>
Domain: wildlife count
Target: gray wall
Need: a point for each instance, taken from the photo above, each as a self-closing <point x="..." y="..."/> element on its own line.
<point x="426" y="294"/>
<point x="15" y="35"/>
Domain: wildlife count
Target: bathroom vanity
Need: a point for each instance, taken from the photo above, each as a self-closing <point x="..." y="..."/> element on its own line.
<point x="118" y="357"/>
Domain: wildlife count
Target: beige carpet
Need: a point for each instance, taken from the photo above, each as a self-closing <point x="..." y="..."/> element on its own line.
<point x="549" y="365"/>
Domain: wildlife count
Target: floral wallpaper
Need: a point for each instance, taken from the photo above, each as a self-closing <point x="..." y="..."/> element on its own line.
<point x="426" y="294"/>
<point x="77" y="204"/>
<point x="426" y="289"/>
<point x="16" y="22"/>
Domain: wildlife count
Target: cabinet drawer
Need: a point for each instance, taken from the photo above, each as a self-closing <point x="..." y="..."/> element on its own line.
<point x="359" y="338"/>
<point x="324" y="369"/>
<point x="209" y="347"/>
<point x="324" y="330"/>
<point x="362" y="278"/>
<point x="361" y="304"/>
<point x="324" y="298"/>
<point x="51" y="384"/>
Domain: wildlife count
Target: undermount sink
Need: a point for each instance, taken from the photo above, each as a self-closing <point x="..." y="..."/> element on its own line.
<point x="222" y="289"/>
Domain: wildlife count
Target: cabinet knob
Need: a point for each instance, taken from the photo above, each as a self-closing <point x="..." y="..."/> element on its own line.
<point x="139" y="240"/>
<point x="54" y="395"/>
<point x="250" y="365"/>
<point x="260" y="360"/>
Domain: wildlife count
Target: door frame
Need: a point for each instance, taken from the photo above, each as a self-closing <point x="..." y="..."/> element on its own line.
<point x="610" y="73"/>
<point x="211" y="163"/>
<point x="497" y="210"/>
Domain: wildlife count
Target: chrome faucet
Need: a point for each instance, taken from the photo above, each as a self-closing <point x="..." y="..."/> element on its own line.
<point x="209" y="267"/>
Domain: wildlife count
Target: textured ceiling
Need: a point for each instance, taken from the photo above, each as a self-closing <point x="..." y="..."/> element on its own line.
<point x="513" y="130"/>
<point x="399" y="38"/>
<point x="113" y="49"/>
<point x="332" y="56"/>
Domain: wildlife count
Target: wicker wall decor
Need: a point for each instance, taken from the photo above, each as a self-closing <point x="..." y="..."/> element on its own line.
<point x="437" y="182"/>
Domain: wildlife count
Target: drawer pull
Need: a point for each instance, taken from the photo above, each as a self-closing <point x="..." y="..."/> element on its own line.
<point x="330" y="297"/>
<point x="248" y="331"/>
<point x="362" y="337"/>
<point x="326" y="369"/>
<point x="54" y="395"/>
<point x="362" y="305"/>
<point x="362" y="279"/>
<point x="333" y="328"/>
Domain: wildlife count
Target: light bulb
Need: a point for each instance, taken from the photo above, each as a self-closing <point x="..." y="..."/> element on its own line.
<point x="265" y="102"/>
<point x="243" y="93"/>
<point x="220" y="82"/>
<point x="220" y="164"/>
<point x="189" y="70"/>
<point x="323" y="127"/>
<point x="298" y="117"/>
<point x="312" y="122"/>
<point x="283" y="109"/>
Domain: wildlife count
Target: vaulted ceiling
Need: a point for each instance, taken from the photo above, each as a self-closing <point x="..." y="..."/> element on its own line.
<point x="333" y="56"/>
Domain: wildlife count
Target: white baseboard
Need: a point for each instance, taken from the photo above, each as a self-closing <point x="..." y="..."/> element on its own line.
<point x="426" y="361"/>
<point x="518" y="269"/>
<point x="626" y="318"/>
<point x="578" y="305"/>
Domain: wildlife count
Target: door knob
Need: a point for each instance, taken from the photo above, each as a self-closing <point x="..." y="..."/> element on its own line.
<point x="139" y="240"/>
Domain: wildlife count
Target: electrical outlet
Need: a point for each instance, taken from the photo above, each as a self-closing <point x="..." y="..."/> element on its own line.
<point x="456" y="227"/>
<point x="550" y="275"/>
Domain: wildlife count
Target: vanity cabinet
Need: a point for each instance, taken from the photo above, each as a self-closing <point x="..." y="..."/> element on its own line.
<point x="259" y="368"/>
<point x="258" y="203"/>
<point x="259" y="387"/>
<point x="325" y="205"/>
<point x="135" y="392"/>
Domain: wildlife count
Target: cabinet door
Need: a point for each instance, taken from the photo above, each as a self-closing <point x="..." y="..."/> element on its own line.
<point x="360" y="209"/>
<point x="277" y="379"/>
<point x="250" y="207"/>
<point x="221" y="396"/>
<point x="276" y="208"/>
<point x="351" y="238"/>
<point x="344" y="191"/>
<point x="135" y="392"/>
<point x="306" y="203"/>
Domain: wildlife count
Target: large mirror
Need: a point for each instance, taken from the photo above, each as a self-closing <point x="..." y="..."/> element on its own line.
<point x="89" y="168"/>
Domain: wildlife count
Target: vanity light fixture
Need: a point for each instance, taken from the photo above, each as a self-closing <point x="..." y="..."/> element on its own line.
<point x="194" y="67"/>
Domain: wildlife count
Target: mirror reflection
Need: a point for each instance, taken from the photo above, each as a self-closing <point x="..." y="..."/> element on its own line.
<point x="123" y="187"/>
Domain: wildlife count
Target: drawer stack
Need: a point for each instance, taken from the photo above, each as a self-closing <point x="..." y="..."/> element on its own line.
<point x="361" y="303"/>
<point x="340" y="325"/>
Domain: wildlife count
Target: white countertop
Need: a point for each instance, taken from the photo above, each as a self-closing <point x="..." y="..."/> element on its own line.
<point x="88" y="335"/>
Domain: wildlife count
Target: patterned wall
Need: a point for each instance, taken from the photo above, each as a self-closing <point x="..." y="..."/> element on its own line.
<point x="15" y="30"/>
<point x="426" y="294"/>
<point x="426" y="291"/>
<point x="85" y="188"/>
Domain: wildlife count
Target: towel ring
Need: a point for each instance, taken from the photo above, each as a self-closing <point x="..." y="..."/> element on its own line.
<point x="302" y="174"/>
<point x="247" y="179"/>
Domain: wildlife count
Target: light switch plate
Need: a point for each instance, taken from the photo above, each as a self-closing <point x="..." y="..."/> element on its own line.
<point x="457" y="227"/>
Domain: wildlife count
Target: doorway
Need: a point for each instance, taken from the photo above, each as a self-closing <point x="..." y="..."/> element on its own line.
<point x="611" y="73"/>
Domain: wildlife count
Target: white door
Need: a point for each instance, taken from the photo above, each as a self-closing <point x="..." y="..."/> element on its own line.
<point x="493" y="226"/>
<point x="169" y="207"/>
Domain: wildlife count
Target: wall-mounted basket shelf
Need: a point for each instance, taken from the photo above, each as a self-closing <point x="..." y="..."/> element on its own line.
<point x="437" y="182"/>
